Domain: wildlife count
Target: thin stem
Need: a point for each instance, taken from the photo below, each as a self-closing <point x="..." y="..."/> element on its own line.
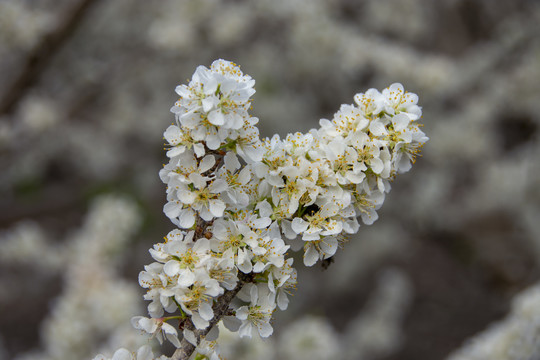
<point x="221" y="308"/>
<point x="41" y="55"/>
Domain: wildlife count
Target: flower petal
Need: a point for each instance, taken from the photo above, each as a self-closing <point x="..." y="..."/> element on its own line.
<point x="206" y="312"/>
<point x="311" y="256"/>
<point x="265" y="330"/>
<point x="299" y="225"/>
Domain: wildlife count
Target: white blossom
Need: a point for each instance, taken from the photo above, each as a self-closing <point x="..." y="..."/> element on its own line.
<point x="257" y="315"/>
<point x="237" y="198"/>
<point x="158" y="328"/>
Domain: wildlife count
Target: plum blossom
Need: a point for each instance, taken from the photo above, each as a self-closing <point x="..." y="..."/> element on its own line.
<point x="158" y="328"/>
<point x="241" y="203"/>
<point x="256" y="316"/>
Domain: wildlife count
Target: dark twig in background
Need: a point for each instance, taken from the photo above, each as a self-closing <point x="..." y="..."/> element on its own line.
<point x="38" y="59"/>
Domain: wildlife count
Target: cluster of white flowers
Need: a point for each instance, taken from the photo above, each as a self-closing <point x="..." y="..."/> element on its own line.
<point x="234" y="198"/>
<point x="321" y="182"/>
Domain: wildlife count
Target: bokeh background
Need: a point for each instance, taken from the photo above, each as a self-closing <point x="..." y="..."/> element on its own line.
<point x="85" y="89"/>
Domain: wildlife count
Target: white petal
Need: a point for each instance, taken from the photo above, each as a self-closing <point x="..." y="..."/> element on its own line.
<point x="173" y="135"/>
<point x="208" y="103"/>
<point x="213" y="142"/>
<point x="216" y="118"/>
<point x="377" y="165"/>
<point x="258" y="250"/>
<point x="145" y="353"/>
<point x="183" y="91"/>
<point x="312" y="234"/>
<point x="218" y="185"/>
<point x="299" y="225"/>
<point x="400" y="121"/>
<point x="255" y="153"/>
<point x="245" y="267"/>
<point x="171" y="268"/>
<point x="172" y="209"/>
<point x="217" y="207"/>
<point x="242" y="313"/>
<point x="265" y="209"/>
<point x="155" y="309"/>
<point x="212" y="288"/>
<point x="286" y="227"/>
<point x="168" y="329"/>
<point x="244" y="176"/>
<point x="177" y="110"/>
<point x="369" y="218"/>
<point x="186" y="219"/>
<point x="234" y="121"/>
<point x="259" y="267"/>
<point x="254" y="295"/>
<point x="282" y="300"/>
<point x="190" y="337"/>
<point x="210" y="84"/>
<point x="377" y="128"/>
<point x="206" y="163"/>
<point x="231" y="161"/>
<point x="122" y="354"/>
<point x="190" y="120"/>
<point x="245" y="330"/>
<point x="265" y="330"/>
<point x="404" y="164"/>
<point x="415" y="112"/>
<point x="355" y="178"/>
<point x="201" y="246"/>
<point x="148" y="325"/>
<point x="173" y="339"/>
<point x="206" y="312"/>
<point x="261" y="223"/>
<point x="337" y="148"/>
<point x="328" y="246"/>
<point x="310" y="256"/>
<point x="198" y="149"/>
<point x="186" y="278"/>
<point x="198" y="321"/>
<point x="176" y="151"/>
<point x="199" y="181"/>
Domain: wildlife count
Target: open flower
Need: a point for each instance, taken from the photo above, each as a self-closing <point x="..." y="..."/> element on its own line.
<point x="158" y="328"/>
<point x="257" y="315"/>
<point x="196" y="300"/>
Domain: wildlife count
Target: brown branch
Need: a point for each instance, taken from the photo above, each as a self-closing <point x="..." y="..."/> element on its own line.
<point x="41" y="55"/>
<point x="221" y="308"/>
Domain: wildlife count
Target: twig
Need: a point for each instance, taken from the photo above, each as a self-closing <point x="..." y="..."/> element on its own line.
<point x="40" y="56"/>
<point x="221" y="308"/>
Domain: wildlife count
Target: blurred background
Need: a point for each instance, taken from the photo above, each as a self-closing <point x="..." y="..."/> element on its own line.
<point x="85" y="92"/>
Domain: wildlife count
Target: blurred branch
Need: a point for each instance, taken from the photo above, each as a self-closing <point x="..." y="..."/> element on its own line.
<point x="503" y="51"/>
<point x="41" y="55"/>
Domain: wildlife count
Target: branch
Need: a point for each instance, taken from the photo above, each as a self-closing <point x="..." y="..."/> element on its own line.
<point x="221" y="308"/>
<point x="39" y="57"/>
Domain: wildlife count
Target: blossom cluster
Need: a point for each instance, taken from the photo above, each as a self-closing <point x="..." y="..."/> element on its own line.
<point x="321" y="182"/>
<point x="240" y="202"/>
